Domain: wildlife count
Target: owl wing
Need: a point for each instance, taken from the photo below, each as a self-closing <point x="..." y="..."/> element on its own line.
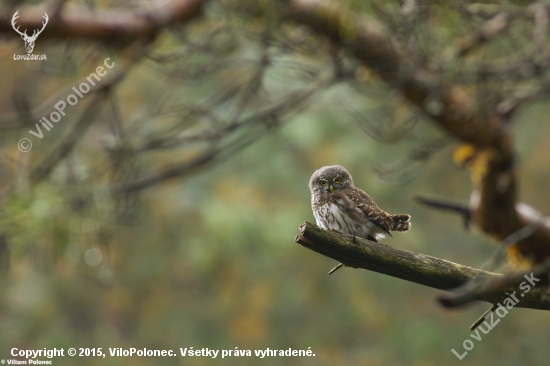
<point x="370" y="209"/>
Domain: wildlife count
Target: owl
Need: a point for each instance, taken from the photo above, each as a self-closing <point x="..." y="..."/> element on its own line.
<point x="338" y="205"/>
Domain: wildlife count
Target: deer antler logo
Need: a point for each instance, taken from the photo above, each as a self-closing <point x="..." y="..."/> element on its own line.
<point x="29" y="41"/>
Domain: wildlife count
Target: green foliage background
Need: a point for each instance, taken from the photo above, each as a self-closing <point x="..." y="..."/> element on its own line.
<point x="211" y="262"/>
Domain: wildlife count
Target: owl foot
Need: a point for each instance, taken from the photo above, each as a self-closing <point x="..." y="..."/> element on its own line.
<point x="336" y="268"/>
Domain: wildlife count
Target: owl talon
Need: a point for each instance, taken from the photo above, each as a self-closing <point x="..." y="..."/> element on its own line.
<point x="340" y="265"/>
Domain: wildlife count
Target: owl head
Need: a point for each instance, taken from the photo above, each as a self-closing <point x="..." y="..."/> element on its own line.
<point x="330" y="179"/>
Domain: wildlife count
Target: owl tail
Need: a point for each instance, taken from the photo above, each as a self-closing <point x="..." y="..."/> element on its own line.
<point x="401" y="222"/>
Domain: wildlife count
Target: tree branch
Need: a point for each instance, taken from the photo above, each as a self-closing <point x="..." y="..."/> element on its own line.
<point x="107" y="25"/>
<point x="488" y="149"/>
<point x="410" y="266"/>
<point x="66" y="144"/>
<point x="371" y="43"/>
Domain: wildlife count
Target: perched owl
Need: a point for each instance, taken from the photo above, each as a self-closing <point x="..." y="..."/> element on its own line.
<point x="338" y="205"/>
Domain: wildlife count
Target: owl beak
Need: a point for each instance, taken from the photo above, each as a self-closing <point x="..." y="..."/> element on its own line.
<point x="331" y="188"/>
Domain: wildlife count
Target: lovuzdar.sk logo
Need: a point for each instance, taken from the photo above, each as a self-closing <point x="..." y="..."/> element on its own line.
<point x="29" y="40"/>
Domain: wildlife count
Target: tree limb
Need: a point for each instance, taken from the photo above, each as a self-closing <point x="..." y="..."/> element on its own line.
<point x="371" y="43"/>
<point x="478" y="290"/>
<point x="488" y="149"/>
<point x="410" y="266"/>
<point x="107" y="25"/>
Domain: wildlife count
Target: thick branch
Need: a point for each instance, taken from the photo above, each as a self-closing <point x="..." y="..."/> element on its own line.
<point x="410" y="266"/>
<point x="108" y="25"/>
<point x="493" y="205"/>
<point x="372" y="44"/>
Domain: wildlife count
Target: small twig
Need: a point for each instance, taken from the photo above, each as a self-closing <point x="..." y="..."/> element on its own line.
<point x="510" y="104"/>
<point x="482" y="318"/>
<point x="540" y="27"/>
<point x="176" y="170"/>
<point x="460" y="209"/>
<point x="337" y="267"/>
<point x="515" y="237"/>
<point x="486" y="32"/>
<point x="68" y="141"/>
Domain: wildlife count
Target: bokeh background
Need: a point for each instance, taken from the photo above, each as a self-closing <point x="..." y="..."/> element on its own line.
<point x="208" y="259"/>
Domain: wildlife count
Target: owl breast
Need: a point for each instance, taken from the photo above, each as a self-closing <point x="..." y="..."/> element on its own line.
<point x="329" y="216"/>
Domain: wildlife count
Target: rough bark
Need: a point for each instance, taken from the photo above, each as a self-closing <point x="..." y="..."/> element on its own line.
<point x="419" y="268"/>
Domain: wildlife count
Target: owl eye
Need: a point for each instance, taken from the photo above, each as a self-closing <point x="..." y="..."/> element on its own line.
<point x="323" y="183"/>
<point x="337" y="180"/>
